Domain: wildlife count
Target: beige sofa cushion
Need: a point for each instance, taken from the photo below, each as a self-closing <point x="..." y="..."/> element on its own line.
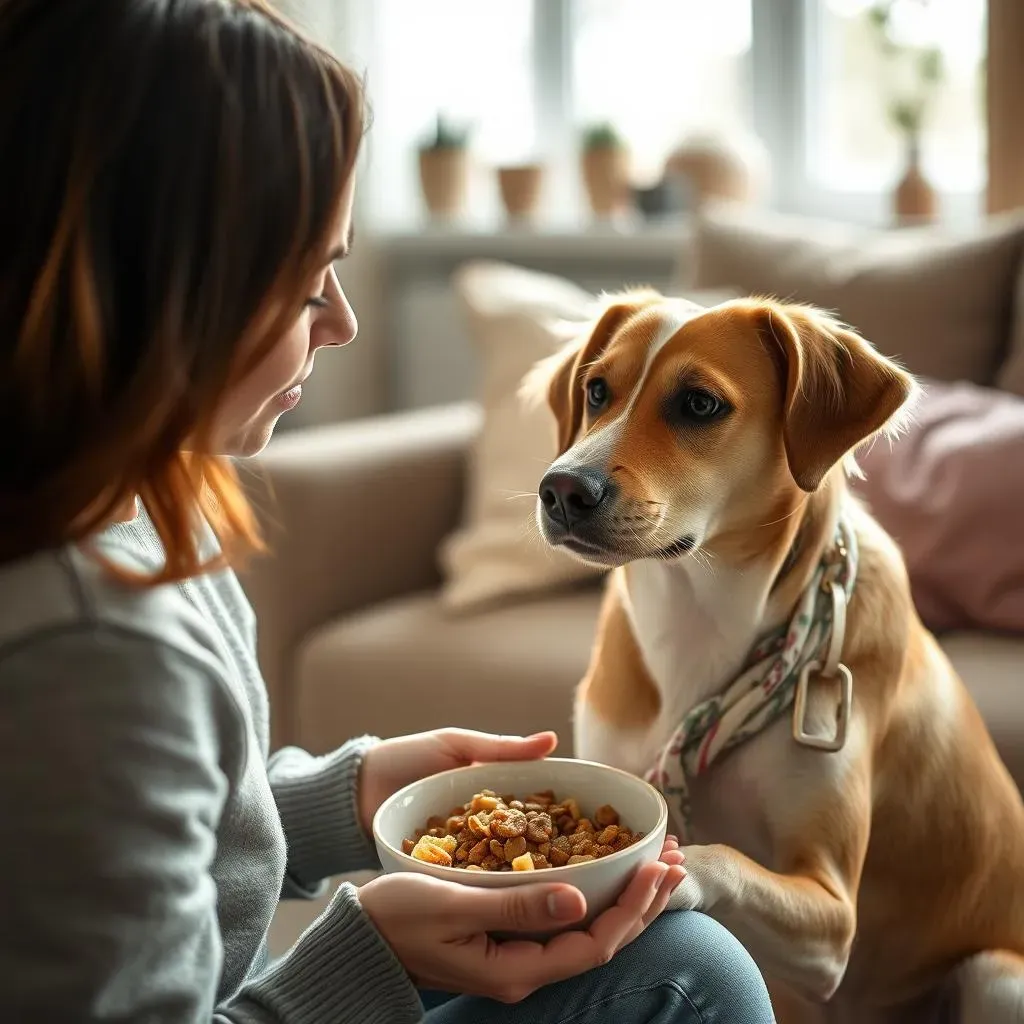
<point x="992" y="668"/>
<point x="939" y="303"/>
<point x="409" y="665"/>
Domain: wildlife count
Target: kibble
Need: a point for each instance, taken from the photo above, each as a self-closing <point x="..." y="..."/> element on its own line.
<point x="507" y="833"/>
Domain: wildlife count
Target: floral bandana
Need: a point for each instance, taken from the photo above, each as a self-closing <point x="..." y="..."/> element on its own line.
<point x="766" y="685"/>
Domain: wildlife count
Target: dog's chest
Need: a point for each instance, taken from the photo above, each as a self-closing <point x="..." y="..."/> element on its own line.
<point x="687" y="655"/>
<point x="728" y="803"/>
<point x="692" y="650"/>
<point x="734" y="801"/>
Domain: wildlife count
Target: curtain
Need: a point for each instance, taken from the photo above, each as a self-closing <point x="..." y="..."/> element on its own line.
<point x="1005" y="97"/>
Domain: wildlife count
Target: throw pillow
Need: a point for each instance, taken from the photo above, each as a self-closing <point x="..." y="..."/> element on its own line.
<point x="951" y="491"/>
<point x="939" y="303"/>
<point x="515" y="317"/>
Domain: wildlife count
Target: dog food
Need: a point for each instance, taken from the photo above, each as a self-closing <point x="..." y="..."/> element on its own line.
<point x="503" y="833"/>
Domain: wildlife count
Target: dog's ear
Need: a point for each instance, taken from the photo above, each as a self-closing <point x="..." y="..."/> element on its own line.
<point x="838" y="390"/>
<point x="559" y="377"/>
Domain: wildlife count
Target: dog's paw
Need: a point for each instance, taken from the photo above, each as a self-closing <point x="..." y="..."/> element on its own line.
<point x="688" y="895"/>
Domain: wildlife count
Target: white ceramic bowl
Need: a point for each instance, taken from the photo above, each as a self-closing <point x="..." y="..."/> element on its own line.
<point x="641" y="808"/>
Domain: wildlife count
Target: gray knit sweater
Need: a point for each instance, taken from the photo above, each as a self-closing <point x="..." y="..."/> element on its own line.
<point x="145" y="835"/>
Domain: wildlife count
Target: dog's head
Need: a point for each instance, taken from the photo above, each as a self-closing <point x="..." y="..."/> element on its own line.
<point x="679" y="424"/>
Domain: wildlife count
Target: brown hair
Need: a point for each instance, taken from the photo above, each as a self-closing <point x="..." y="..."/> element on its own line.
<point x="171" y="173"/>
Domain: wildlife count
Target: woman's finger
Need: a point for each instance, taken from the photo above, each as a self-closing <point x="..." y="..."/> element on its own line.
<point x="469" y="746"/>
<point x="610" y="929"/>
<point x="575" y="952"/>
<point x="672" y="857"/>
<point x="673" y="877"/>
<point x="671" y="880"/>
<point x="540" y="907"/>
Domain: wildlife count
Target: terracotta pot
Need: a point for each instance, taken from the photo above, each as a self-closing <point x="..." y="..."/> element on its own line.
<point x="444" y="180"/>
<point x="606" y="177"/>
<point x="520" y="189"/>
<point x="914" y="199"/>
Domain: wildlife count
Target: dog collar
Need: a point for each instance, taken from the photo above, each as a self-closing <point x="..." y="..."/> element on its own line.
<point x="777" y="674"/>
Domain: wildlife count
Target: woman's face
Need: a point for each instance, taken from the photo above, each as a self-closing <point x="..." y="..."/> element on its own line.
<point x="251" y="410"/>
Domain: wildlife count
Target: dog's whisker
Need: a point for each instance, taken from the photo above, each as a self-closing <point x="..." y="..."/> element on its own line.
<point x="531" y="533"/>
<point x="704" y="560"/>
<point x="788" y="515"/>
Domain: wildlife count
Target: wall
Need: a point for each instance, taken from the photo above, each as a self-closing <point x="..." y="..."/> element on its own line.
<point x="348" y="382"/>
<point x="431" y="359"/>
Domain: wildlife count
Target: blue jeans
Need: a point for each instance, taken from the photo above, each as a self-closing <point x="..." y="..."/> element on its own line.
<point x="684" y="969"/>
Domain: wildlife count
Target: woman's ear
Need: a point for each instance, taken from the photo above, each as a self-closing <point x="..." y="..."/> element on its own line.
<point x="559" y="377"/>
<point x="838" y="390"/>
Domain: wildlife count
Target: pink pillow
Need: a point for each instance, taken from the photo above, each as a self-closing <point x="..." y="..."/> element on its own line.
<point x="951" y="491"/>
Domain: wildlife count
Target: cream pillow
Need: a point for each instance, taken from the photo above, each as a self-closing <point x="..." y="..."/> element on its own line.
<point x="515" y="317"/>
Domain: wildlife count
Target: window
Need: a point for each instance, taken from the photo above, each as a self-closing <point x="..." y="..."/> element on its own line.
<point x="853" y="145"/>
<point x="469" y="61"/>
<point x="806" y="76"/>
<point x="658" y="68"/>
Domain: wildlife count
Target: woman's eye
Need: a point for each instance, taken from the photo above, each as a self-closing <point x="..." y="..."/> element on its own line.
<point x="597" y="393"/>
<point x="701" y="405"/>
<point x="316" y="302"/>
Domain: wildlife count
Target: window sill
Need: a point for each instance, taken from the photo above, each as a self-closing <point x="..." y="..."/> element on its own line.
<point x="596" y="244"/>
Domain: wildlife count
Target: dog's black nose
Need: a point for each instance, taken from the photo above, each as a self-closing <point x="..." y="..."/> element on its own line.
<point x="570" y="498"/>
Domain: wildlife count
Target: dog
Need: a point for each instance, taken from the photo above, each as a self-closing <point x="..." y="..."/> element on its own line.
<point x="846" y="816"/>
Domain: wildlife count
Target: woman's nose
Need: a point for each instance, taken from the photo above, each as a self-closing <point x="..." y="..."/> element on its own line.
<point x="336" y="322"/>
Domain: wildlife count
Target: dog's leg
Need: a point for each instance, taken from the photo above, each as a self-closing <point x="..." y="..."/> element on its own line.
<point x="991" y="989"/>
<point x="799" y="928"/>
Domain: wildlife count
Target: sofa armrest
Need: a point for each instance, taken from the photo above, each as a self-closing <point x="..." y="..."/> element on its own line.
<point x="353" y="514"/>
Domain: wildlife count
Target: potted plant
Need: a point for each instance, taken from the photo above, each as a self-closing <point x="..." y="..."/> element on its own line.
<point x="915" y="74"/>
<point x="605" y="168"/>
<point x="444" y="169"/>
<point x="520" y="186"/>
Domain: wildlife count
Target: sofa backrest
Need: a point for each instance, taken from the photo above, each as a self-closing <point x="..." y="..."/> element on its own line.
<point x="942" y="304"/>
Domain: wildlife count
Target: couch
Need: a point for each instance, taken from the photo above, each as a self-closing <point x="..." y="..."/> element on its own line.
<point x="355" y="636"/>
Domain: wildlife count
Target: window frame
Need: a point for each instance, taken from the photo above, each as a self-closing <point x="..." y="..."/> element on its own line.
<point x="786" y="37"/>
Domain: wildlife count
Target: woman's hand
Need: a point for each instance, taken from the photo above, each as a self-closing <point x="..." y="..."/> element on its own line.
<point x="439" y="930"/>
<point x="392" y="764"/>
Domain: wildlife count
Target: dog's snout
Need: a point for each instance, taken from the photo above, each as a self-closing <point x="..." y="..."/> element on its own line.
<point x="571" y="497"/>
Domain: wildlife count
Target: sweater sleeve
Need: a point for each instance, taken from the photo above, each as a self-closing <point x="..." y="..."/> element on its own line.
<point x="316" y="797"/>
<point x="117" y="753"/>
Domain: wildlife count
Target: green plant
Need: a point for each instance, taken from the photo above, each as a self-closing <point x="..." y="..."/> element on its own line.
<point x="918" y="70"/>
<point x="602" y="135"/>
<point x="447" y="134"/>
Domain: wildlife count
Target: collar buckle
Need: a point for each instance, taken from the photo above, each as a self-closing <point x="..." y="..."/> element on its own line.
<point x="832" y="669"/>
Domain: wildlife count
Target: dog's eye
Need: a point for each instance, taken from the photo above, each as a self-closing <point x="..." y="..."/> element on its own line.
<point x="701" y="405"/>
<point x="597" y="393"/>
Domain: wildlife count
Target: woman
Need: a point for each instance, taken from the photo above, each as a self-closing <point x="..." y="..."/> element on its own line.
<point x="176" y="184"/>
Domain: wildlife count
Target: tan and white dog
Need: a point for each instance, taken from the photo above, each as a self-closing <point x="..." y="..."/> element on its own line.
<point x="703" y="455"/>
